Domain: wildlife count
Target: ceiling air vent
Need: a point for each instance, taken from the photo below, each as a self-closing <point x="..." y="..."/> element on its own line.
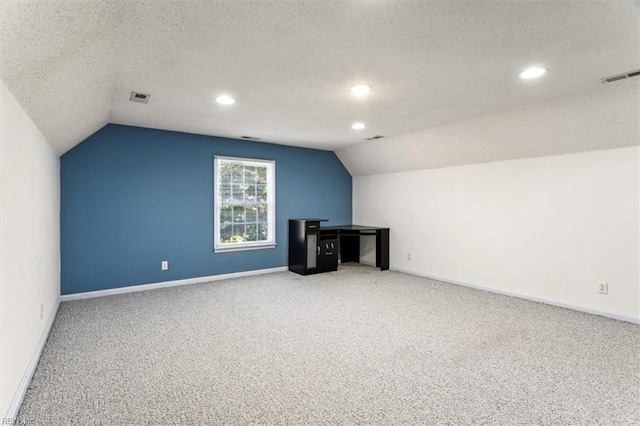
<point x="141" y="98"/>
<point x="253" y="138"/>
<point x="624" y="76"/>
<point x="374" y="137"/>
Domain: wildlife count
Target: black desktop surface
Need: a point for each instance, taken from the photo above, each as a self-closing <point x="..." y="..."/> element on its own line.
<point x="352" y="228"/>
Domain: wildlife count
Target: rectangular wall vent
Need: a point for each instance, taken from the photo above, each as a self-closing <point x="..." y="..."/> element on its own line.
<point x="374" y="137"/>
<point x="618" y="77"/>
<point x="141" y="98"/>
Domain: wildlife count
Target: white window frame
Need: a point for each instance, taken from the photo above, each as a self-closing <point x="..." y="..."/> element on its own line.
<point x="220" y="247"/>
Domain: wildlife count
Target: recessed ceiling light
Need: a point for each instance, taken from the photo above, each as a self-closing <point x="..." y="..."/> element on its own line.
<point x="532" y="72"/>
<point x="225" y="100"/>
<point x="360" y="90"/>
<point x="358" y="126"/>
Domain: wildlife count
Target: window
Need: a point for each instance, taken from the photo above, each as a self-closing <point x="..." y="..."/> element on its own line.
<point x="244" y="204"/>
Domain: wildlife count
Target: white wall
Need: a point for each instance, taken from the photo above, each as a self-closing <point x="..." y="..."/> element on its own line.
<point x="30" y="242"/>
<point x="547" y="228"/>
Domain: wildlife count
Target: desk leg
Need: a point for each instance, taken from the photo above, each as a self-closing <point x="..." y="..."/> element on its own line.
<point x="382" y="249"/>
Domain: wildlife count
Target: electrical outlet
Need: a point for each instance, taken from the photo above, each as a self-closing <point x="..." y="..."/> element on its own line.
<point x="408" y="256"/>
<point x="165" y="265"/>
<point x="41" y="311"/>
<point x="603" y="287"/>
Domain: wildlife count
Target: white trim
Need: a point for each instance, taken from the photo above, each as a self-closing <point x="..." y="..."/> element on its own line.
<point x="244" y="247"/>
<point x="635" y="320"/>
<point x="270" y="242"/>
<point x="175" y="283"/>
<point x="247" y="160"/>
<point x="18" y="397"/>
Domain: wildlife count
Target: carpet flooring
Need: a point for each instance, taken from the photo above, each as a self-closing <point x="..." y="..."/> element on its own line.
<point x="357" y="346"/>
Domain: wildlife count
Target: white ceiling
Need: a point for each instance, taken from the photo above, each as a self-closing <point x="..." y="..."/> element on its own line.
<point x="72" y="65"/>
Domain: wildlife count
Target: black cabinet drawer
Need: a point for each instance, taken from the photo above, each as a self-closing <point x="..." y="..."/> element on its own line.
<point x="328" y="235"/>
<point x="328" y="255"/>
<point x="312" y="226"/>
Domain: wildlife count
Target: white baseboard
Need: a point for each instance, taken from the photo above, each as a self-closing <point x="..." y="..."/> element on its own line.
<point x="153" y="286"/>
<point x="14" y="408"/>
<point x="527" y="297"/>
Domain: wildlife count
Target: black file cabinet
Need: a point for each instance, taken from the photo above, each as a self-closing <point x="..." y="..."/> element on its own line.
<point x="309" y="252"/>
<point x="328" y="255"/>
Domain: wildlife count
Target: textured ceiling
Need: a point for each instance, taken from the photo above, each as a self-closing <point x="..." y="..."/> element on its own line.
<point x="72" y="65"/>
<point x="605" y="118"/>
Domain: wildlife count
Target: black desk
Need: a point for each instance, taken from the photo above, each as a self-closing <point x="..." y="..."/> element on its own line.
<point x="349" y="236"/>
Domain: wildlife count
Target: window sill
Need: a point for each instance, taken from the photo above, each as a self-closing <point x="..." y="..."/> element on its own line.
<point x="244" y="248"/>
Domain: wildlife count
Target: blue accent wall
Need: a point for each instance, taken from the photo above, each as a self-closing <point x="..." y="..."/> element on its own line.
<point x="132" y="197"/>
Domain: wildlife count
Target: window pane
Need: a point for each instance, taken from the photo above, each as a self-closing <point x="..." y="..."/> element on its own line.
<point x="238" y="233"/>
<point x="238" y="172"/>
<point x="225" y="172"/>
<point x="262" y="193"/>
<point x="263" y="215"/>
<point x="226" y="214"/>
<point x="252" y="232"/>
<point x="238" y="193"/>
<point x="238" y="214"/>
<point x="225" y="193"/>
<point x="251" y="214"/>
<point x="225" y="233"/>
<point x="250" y="193"/>
<point x="263" y="233"/>
<point x="261" y="175"/>
<point x="250" y="174"/>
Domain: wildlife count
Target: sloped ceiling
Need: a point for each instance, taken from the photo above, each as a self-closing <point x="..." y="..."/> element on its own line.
<point x="606" y="118"/>
<point x="60" y="60"/>
<point x="73" y="65"/>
